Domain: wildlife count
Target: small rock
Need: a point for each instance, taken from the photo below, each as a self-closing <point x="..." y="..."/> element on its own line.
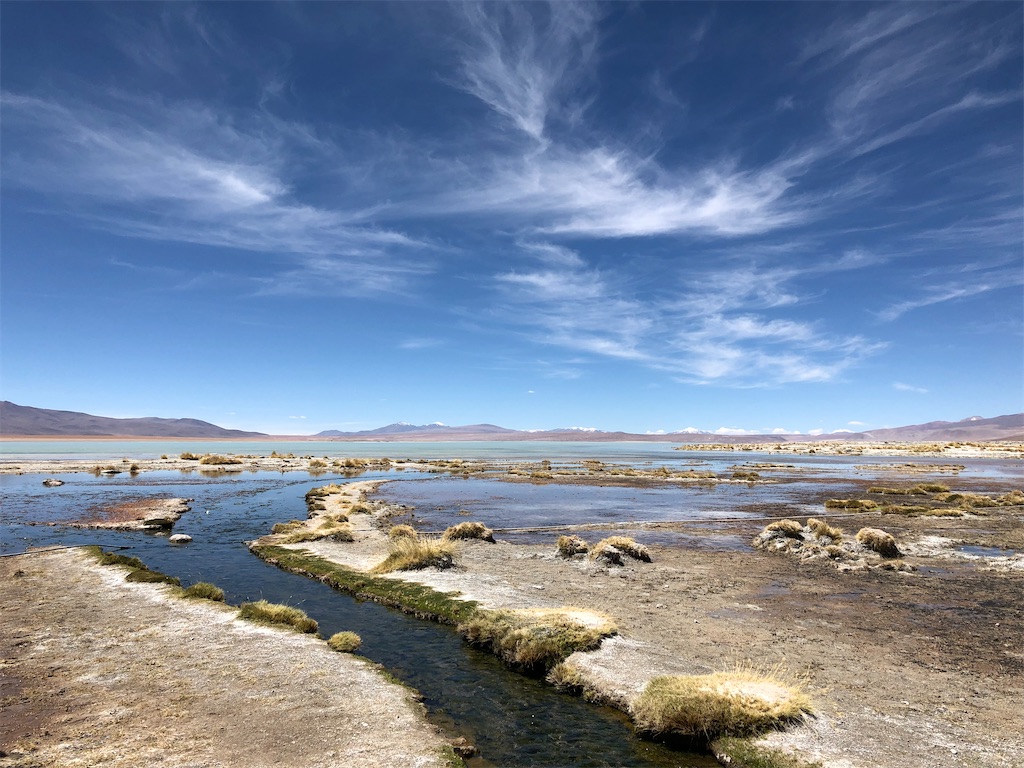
<point x="52" y="482"/>
<point x="463" y="748"/>
<point x="180" y="538"/>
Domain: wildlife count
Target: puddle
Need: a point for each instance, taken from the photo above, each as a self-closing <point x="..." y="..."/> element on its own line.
<point x="978" y="551"/>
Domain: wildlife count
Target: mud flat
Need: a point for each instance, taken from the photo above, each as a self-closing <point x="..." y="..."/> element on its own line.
<point x="98" y="671"/>
<point x="921" y="668"/>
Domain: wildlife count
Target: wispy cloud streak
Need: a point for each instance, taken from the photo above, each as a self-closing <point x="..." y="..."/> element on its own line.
<point x="699" y="335"/>
<point x="186" y="175"/>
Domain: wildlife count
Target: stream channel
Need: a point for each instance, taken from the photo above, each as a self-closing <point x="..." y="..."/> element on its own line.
<point x="514" y="720"/>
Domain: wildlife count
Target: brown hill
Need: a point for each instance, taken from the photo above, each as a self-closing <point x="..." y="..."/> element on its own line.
<point x="23" y="420"/>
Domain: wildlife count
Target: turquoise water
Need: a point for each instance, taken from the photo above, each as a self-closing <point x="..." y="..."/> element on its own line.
<point x="152" y="449"/>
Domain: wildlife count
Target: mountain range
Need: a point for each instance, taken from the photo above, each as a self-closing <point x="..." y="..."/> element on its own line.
<point x="26" y="421"/>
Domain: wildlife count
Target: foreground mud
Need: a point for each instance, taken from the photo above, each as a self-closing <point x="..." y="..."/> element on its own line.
<point x="97" y="671"/>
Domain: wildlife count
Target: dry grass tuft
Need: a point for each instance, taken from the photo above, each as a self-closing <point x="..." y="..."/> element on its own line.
<point x="345" y="642"/>
<point x="623" y="544"/>
<point x="971" y="500"/>
<point x="408" y="554"/>
<point x="1012" y="499"/>
<point x="205" y="591"/>
<point x="216" y="459"/>
<point x="723" y="703"/>
<point x="823" y="530"/>
<point x="860" y="504"/>
<point x="879" y="541"/>
<point x="790" y="528"/>
<point x="572" y="545"/>
<point x="291" y="525"/>
<point x="398" y="531"/>
<point x="263" y="612"/>
<point x="536" y="639"/>
<point x="469" y="530"/>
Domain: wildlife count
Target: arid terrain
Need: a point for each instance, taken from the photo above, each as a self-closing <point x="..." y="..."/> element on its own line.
<point x="99" y="671"/>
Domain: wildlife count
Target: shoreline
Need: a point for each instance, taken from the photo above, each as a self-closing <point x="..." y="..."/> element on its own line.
<point x="867" y="447"/>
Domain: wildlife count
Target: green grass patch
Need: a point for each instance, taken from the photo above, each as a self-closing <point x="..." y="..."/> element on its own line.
<point x="534" y="639"/>
<point x="416" y="599"/>
<point x="263" y="612"/>
<point x="146" y="576"/>
<point x="743" y="753"/>
<point x="203" y="590"/>
<point x="344" y="642"/>
<point x="139" y="572"/>
<point x="704" y="707"/>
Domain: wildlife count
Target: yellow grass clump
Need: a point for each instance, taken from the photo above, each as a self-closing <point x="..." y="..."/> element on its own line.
<point x="622" y="544"/>
<point x="571" y="545"/>
<point x="790" y="528"/>
<point x="469" y="530"/>
<point x="879" y="541"/>
<point x="969" y="499"/>
<point x="409" y="554"/>
<point x="863" y="504"/>
<point x="537" y="638"/>
<point x="344" y="642"/>
<point x="263" y="612"/>
<point x="291" y="525"/>
<point x="215" y="459"/>
<point x="823" y="530"/>
<point x="205" y="591"/>
<point x="723" y="703"/>
<point x="398" y="531"/>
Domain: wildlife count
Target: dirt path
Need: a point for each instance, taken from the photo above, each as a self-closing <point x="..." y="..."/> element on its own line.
<point x="97" y="671"/>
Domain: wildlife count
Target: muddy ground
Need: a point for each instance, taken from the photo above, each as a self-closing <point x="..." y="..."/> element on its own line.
<point x="97" y="671"/>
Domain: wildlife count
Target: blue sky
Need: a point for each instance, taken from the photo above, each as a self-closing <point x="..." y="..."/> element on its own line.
<point x="640" y="217"/>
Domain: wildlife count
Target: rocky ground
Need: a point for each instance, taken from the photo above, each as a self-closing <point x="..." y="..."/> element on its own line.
<point x="95" y="671"/>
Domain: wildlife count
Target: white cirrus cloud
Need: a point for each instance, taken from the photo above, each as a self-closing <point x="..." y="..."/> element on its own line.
<point x="899" y="385"/>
